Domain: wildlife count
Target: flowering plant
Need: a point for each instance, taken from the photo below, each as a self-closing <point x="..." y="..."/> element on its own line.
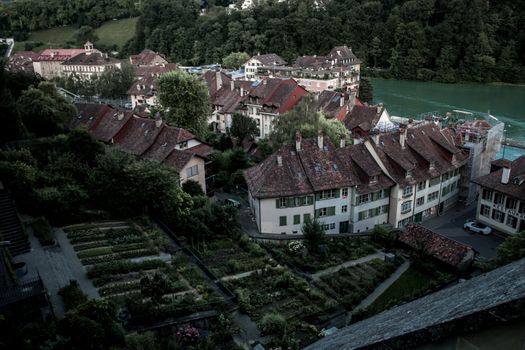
<point x="295" y="246"/>
<point x="187" y="334"/>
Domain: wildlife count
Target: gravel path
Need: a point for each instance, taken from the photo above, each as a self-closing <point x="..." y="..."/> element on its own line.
<point x="378" y="255"/>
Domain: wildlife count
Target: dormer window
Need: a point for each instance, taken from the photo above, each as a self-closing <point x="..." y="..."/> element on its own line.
<point x="408" y="173"/>
<point x="431" y="166"/>
<point x="373" y="179"/>
<point x="407" y="191"/>
<point x="184" y="144"/>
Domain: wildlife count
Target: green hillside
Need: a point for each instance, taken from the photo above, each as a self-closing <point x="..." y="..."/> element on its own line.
<point x="116" y="32"/>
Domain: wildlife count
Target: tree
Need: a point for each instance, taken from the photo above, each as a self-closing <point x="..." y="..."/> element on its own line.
<point x="274" y="324"/>
<point x="243" y="127"/>
<point x="155" y="288"/>
<point x="44" y="111"/>
<point x="184" y="100"/>
<point x="235" y="60"/>
<point x="141" y="341"/>
<point x="83" y="34"/>
<point x="366" y="90"/>
<point x="306" y="119"/>
<point x="313" y="234"/>
<point x="193" y="188"/>
<point x="512" y="249"/>
<point x="114" y="82"/>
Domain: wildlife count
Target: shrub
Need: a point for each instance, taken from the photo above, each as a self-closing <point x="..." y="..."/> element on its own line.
<point x="274" y="324"/>
<point x="43" y="231"/>
<point x="122" y="266"/>
<point x="72" y="295"/>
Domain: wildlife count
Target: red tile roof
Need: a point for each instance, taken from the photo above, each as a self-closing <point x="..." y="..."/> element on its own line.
<point x="22" y="61"/>
<point x="137" y="135"/>
<point x="204" y="150"/>
<point x="59" y="54"/>
<point x="146" y="58"/>
<point x="270" y="59"/>
<point x="165" y="142"/>
<point x="144" y="86"/>
<point x="276" y="95"/>
<point x="440" y="247"/>
<point x="92" y="59"/>
<point x="329" y="103"/>
<point x="156" y="71"/>
<point x="363" y="117"/>
<point x="211" y="77"/>
<point x="178" y="159"/>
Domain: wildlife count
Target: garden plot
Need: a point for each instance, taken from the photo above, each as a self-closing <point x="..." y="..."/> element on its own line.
<point x="335" y="252"/>
<point x="226" y="257"/>
<point x="277" y="290"/>
<point x="353" y="284"/>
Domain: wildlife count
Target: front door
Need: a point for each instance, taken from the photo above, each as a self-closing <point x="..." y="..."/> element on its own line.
<point x="343" y="227"/>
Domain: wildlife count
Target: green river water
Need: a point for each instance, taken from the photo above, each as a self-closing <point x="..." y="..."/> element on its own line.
<point x="410" y="98"/>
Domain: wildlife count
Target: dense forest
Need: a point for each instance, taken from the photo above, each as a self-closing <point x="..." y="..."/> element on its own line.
<point x="441" y="40"/>
<point x="18" y="17"/>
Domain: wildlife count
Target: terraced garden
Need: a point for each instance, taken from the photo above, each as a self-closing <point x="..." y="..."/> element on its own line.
<point x="353" y="284"/>
<point x="278" y="290"/>
<point x="225" y="256"/>
<point x="336" y="251"/>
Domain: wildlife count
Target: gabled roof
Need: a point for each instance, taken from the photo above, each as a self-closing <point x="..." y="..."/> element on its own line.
<point x="492" y="298"/>
<point x="363" y="117"/>
<point x="146" y="58"/>
<point x="59" y="54"/>
<point x="137" y="135"/>
<point x="444" y="249"/>
<point x="329" y="103"/>
<point x="516" y="186"/>
<point x="310" y="62"/>
<point x="216" y="80"/>
<point x="145" y="86"/>
<point x="341" y="53"/>
<point x="92" y="59"/>
<point x="269" y="59"/>
<point x="156" y="71"/>
<point x="228" y="100"/>
<point x="277" y="95"/>
<point x="268" y="179"/>
<point x="103" y="121"/>
<point x="178" y="159"/>
<point x="22" y="61"/>
<point x="166" y="140"/>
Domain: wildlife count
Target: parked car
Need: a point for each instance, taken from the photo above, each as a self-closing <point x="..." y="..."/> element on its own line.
<point x="233" y="203"/>
<point x="475" y="226"/>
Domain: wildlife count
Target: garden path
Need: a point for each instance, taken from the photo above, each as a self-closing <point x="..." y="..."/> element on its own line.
<point x="378" y="255"/>
<point x="56" y="266"/>
<point x="162" y="256"/>
<point x="383" y="286"/>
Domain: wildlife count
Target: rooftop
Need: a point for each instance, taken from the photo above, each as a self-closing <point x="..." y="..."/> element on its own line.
<point x="516" y="185"/>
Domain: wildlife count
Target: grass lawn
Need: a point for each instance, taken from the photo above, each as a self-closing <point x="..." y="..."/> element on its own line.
<point x="410" y="285"/>
<point x="110" y="33"/>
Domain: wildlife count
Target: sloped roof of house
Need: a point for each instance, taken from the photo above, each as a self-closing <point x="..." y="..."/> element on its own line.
<point x="363" y="117"/>
<point x="270" y="59"/>
<point x="179" y="158"/>
<point x="22" y="61"/>
<point x="165" y="142"/>
<point x="92" y="59"/>
<point x="309" y="62"/>
<point x="228" y="100"/>
<point x="156" y="71"/>
<point x="145" y="58"/>
<point x="516" y="186"/>
<point x="145" y="86"/>
<point x="277" y="95"/>
<point x="329" y="103"/>
<point x="492" y="298"/>
<point x="444" y="249"/>
<point x="342" y="53"/>
<point x="59" y="54"/>
<point x="137" y="135"/>
<point x="215" y="81"/>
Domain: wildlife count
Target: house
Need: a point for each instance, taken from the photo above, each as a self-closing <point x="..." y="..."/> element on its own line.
<point x="148" y="58"/>
<point x="335" y="105"/>
<point x="315" y="179"/>
<point x="361" y="120"/>
<point x="396" y="177"/>
<point x="501" y="203"/>
<point x="426" y="167"/>
<point x="484" y="312"/>
<point x="266" y="60"/>
<point x="147" y="138"/>
<point x="340" y="69"/>
<point x="48" y="64"/>
<point x="270" y="98"/>
<point x="88" y="64"/>
<point x="145" y="71"/>
<point x="143" y="92"/>
<point x="449" y="252"/>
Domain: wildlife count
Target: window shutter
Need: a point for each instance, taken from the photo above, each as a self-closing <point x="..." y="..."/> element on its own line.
<point x="277" y="203"/>
<point x="331" y="211"/>
<point x="318" y="196"/>
<point x="290" y="202"/>
<point x="316" y="213"/>
<point x="337" y="192"/>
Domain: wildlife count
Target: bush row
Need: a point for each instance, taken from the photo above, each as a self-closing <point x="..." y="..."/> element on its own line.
<point x="121" y="267"/>
<point x="90" y="245"/>
<point x="117" y="256"/>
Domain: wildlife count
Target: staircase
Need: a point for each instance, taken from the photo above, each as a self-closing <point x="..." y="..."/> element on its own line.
<point x="11" y="228"/>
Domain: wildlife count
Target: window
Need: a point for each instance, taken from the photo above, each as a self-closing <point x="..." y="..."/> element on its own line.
<point x="497" y="215"/>
<point x="445" y="190"/>
<point x="434" y="181"/>
<point x="281" y="203"/>
<point x="306" y="217"/>
<point x="296" y="219"/>
<point x="433" y="196"/>
<point x="362" y="215"/>
<point x="344" y="209"/>
<point x="420" y="201"/>
<point x="183" y="144"/>
<point x="364" y="198"/>
<point x="384" y="209"/>
<point x="522" y="208"/>
<point x="499" y="198"/>
<point x="511" y="221"/>
<point x="326" y="227"/>
<point x="192" y="171"/>
<point x="511" y="203"/>
<point x="374" y="212"/>
<point x="422" y="185"/>
<point x="406" y="207"/>
<point x="373" y="179"/>
<point x="445" y="177"/>
<point x="485" y="210"/>
<point x="329" y="211"/>
<point x="487" y="194"/>
<point x="328" y="194"/>
<point x="407" y="191"/>
<point x="282" y="220"/>
<point x="332" y="226"/>
<point x="344" y="192"/>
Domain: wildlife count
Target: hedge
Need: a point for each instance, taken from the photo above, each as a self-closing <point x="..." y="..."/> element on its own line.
<point x="43" y="231"/>
<point x="121" y="267"/>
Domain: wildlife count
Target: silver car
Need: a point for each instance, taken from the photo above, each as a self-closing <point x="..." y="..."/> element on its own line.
<point x="475" y="226"/>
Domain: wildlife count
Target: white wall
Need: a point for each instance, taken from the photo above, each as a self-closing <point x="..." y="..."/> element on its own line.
<point x="269" y="221"/>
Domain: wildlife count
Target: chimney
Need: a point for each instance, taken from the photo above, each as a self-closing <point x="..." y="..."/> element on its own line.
<point x="320" y="136"/>
<point x="158" y="122"/>
<point x="264" y="81"/>
<point x="342" y="141"/>
<point x="342" y="100"/>
<point x="279" y="160"/>
<point x="298" y="139"/>
<point x="402" y="135"/>
<point x="505" y="175"/>
<point x="375" y="137"/>
<point x="242" y="91"/>
<point x="120" y="116"/>
<point x="232" y="85"/>
<point x="379" y="107"/>
<point x="218" y="79"/>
